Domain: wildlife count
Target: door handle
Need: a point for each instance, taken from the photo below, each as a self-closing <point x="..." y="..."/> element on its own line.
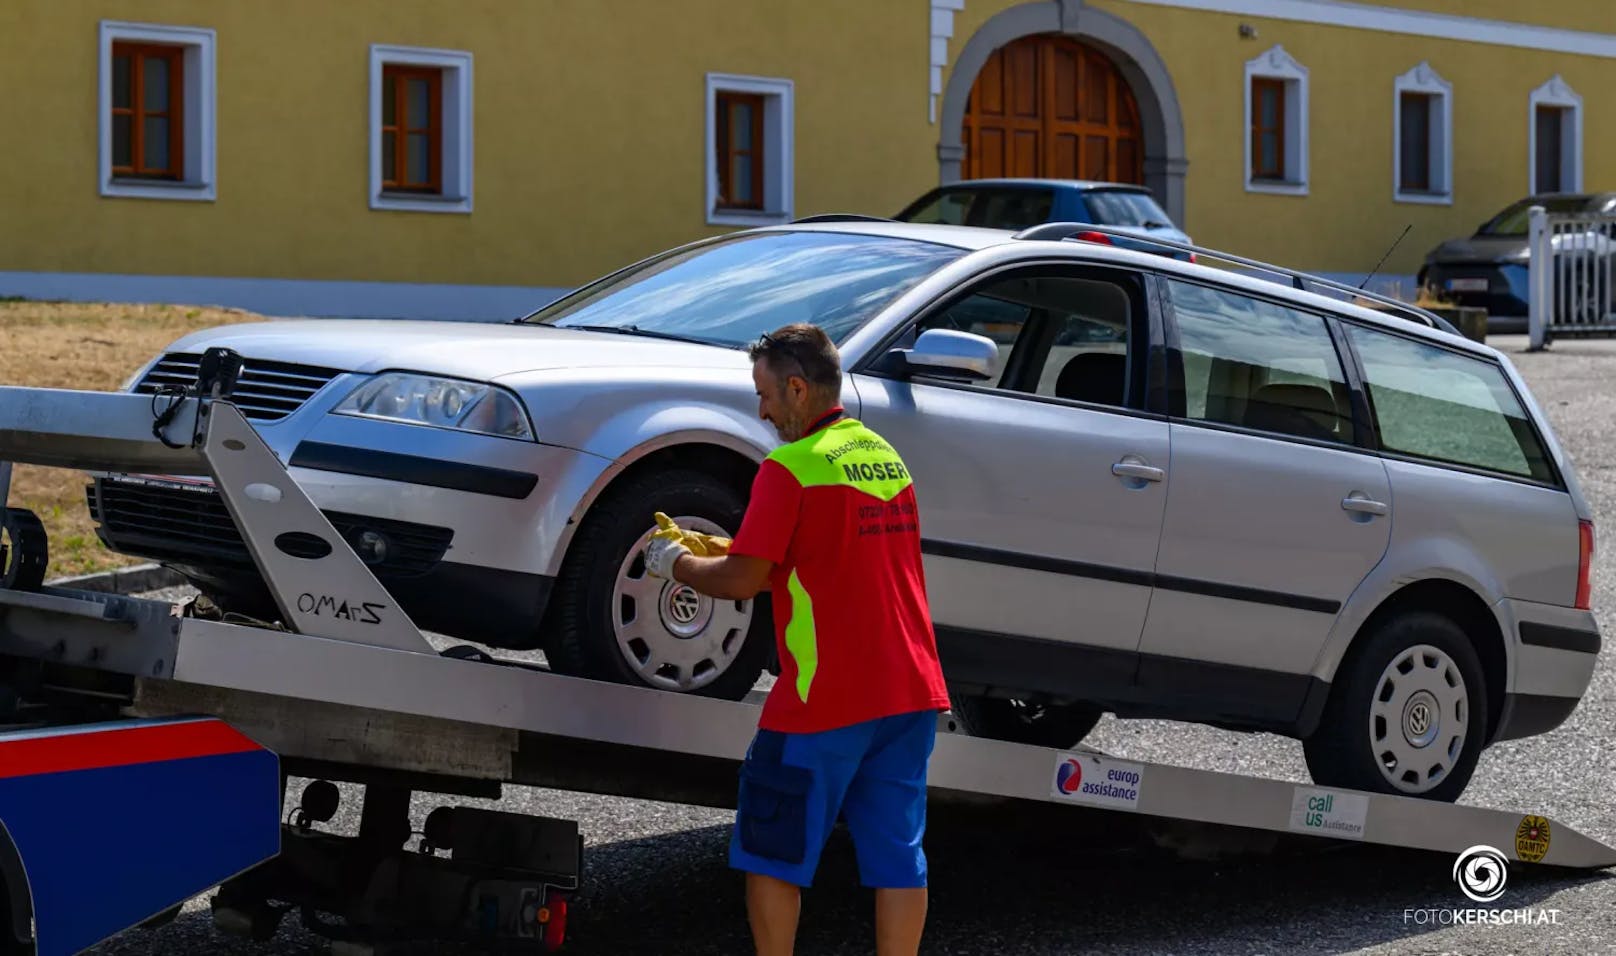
<point x="1363" y="505"/>
<point x="1131" y="467"/>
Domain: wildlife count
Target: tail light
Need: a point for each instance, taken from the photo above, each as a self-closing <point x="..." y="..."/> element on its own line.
<point x="1585" y="559"/>
<point x="1192" y="257"/>
<point x="1099" y="237"/>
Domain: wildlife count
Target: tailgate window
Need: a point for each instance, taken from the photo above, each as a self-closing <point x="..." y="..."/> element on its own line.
<point x="1446" y="407"/>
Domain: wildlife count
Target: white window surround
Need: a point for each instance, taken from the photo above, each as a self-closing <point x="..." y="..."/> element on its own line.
<point x="1280" y="65"/>
<point x="199" y="120"/>
<point x="457" y="129"/>
<point x="1557" y="93"/>
<point x="778" y="146"/>
<point x="1423" y="79"/>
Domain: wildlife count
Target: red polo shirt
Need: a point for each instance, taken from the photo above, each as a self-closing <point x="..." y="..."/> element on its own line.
<point x="835" y="512"/>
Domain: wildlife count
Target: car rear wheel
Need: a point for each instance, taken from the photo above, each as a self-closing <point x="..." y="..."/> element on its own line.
<point x="1016" y="721"/>
<point x="616" y="622"/>
<point x="1407" y="715"/>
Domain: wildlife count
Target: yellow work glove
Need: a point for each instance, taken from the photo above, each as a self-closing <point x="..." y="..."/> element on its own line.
<point x="699" y="544"/>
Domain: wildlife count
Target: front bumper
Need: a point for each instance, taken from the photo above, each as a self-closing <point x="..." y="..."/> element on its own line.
<point x="187" y="527"/>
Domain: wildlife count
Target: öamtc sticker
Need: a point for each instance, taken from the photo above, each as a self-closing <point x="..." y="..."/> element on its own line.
<point x="1532" y="839"/>
<point x="1097" y="781"/>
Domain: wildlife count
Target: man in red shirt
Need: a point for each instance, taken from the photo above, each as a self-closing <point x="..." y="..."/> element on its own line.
<point x="832" y="529"/>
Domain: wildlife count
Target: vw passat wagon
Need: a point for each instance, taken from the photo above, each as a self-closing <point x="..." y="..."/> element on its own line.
<point x="1148" y="487"/>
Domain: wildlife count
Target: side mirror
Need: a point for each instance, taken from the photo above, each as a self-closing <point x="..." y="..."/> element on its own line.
<point x="951" y="354"/>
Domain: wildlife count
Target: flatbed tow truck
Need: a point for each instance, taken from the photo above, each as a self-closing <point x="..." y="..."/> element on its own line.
<point x="145" y="748"/>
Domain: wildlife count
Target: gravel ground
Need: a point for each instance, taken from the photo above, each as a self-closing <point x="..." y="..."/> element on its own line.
<point x="656" y="880"/>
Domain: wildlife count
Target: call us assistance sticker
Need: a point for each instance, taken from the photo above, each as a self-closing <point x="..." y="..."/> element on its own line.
<point x="1532" y="839"/>
<point x="1097" y="781"/>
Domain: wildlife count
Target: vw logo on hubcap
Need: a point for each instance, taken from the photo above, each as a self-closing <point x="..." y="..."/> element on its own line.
<point x="1420" y="719"/>
<point x="683" y="605"/>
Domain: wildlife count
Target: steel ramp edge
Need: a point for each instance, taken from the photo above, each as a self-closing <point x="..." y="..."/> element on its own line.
<point x="518" y="698"/>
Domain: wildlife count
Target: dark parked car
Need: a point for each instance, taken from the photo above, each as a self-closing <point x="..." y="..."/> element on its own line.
<point x="1017" y="204"/>
<point x="1489" y="269"/>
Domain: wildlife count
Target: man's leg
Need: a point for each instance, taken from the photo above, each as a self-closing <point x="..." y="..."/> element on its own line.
<point x="791" y="788"/>
<point x="772" y="906"/>
<point x="900" y="920"/>
<point x="886" y="812"/>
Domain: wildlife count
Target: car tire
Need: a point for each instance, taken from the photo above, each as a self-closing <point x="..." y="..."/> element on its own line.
<point x="1373" y="733"/>
<point x="589" y="601"/>
<point x="1041" y="725"/>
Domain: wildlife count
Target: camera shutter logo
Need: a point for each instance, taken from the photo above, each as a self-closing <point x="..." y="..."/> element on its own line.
<point x="1481" y="872"/>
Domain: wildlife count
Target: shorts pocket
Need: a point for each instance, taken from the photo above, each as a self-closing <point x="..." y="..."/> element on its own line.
<point x="773" y="810"/>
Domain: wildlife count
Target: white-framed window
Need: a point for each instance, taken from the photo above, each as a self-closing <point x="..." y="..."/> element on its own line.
<point x="1422" y="158"/>
<point x="749" y="150"/>
<point x="1276" y="124"/>
<point x="156" y="111"/>
<point x="1555" y="138"/>
<point x="420" y="129"/>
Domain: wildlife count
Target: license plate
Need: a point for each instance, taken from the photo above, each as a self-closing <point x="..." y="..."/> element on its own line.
<point x="1467" y="285"/>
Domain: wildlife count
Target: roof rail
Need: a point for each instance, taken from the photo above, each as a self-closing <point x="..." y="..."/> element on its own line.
<point x="842" y="217"/>
<point x="1304" y="281"/>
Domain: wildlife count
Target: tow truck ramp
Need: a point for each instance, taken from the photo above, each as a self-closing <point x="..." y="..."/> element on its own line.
<point x="345" y="687"/>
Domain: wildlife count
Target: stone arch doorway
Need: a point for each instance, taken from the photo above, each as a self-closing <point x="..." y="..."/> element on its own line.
<point x="1052" y="106"/>
<point x="1162" y="163"/>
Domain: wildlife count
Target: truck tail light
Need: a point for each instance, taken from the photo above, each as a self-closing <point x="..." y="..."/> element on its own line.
<point x="1585" y="559"/>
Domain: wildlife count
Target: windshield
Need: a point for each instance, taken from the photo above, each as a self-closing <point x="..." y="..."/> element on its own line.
<point x="1117" y="207"/>
<point x="732" y="291"/>
<point x="1514" y="220"/>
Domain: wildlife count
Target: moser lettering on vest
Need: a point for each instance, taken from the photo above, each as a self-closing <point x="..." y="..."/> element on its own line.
<point x="880" y="471"/>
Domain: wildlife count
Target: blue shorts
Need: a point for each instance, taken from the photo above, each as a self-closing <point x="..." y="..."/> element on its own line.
<point x="794" y="787"/>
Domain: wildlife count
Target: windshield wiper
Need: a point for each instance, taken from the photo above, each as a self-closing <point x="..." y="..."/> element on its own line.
<point x="636" y="330"/>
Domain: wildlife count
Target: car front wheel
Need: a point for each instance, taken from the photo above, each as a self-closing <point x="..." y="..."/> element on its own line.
<point x="1407" y="714"/>
<point x="614" y="621"/>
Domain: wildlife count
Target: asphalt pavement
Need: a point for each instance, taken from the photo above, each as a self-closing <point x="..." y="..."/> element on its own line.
<point x="656" y="880"/>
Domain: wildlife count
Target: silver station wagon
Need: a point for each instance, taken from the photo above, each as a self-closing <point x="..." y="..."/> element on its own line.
<point x="1149" y="487"/>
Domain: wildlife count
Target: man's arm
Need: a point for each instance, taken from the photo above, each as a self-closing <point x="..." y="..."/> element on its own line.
<point x="733" y="577"/>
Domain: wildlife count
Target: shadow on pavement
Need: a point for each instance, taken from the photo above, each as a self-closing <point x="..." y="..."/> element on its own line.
<point x="1027" y="892"/>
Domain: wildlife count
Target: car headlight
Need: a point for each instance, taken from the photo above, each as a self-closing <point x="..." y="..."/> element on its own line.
<point x="439" y="402"/>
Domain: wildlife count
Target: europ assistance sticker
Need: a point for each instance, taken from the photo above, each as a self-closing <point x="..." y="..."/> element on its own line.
<point x="1097" y="781"/>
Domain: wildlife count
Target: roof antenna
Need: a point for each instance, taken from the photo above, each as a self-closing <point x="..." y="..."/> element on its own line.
<point x="1383" y="258"/>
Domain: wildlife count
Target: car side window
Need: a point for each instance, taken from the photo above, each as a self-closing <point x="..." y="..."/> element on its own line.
<point x="949" y="209"/>
<point x="987" y="314"/>
<point x="1059" y="336"/>
<point x="1258" y="365"/>
<point x="1439" y="405"/>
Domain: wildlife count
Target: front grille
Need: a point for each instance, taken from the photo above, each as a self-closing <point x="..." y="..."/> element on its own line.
<point x="185" y="525"/>
<point x="266" y="391"/>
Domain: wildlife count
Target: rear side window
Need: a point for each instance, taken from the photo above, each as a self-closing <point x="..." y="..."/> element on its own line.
<point x="1439" y="405"/>
<point x="1258" y="365"/>
<point x="987" y="208"/>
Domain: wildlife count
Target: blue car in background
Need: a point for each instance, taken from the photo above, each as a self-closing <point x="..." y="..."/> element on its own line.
<point x="1017" y="204"/>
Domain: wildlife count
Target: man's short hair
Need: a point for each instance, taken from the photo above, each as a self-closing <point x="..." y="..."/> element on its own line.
<point x="801" y="349"/>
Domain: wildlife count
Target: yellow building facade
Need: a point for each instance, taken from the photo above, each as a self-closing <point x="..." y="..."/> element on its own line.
<point x="472" y="159"/>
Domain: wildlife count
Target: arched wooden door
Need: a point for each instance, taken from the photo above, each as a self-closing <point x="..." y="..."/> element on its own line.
<point x="1050" y="106"/>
